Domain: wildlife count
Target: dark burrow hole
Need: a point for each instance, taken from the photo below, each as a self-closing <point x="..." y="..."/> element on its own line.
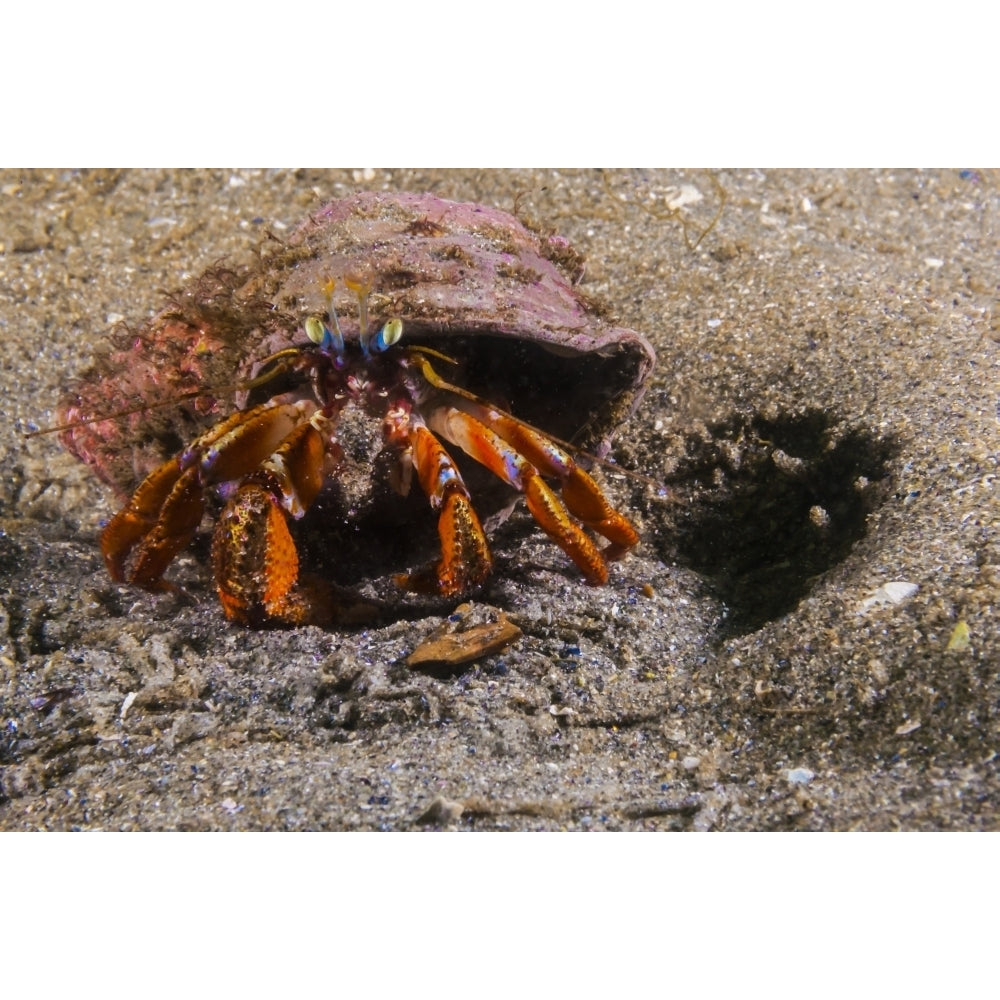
<point x="766" y="505"/>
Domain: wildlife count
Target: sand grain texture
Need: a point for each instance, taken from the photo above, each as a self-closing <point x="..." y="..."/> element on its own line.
<point x="806" y="637"/>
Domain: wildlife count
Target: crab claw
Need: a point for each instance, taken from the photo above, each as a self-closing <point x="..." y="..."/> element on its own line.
<point x="276" y="455"/>
<point x="253" y="555"/>
<point x="465" y="560"/>
<point x="255" y="563"/>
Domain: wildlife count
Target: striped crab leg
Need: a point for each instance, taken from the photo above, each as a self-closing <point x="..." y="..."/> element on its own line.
<point x="521" y="456"/>
<point x="465" y="555"/>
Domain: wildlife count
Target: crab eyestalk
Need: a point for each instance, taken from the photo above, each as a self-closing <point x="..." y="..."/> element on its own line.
<point x="330" y="341"/>
<point x="327" y="340"/>
<point x="390" y="334"/>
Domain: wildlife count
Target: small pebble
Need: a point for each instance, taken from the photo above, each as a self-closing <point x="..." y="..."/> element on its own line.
<point x="819" y="516"/>
<point x="678" y="197"/>
<point x="800" y="776"/>
<point x="441" y="812"/>
<point x="961" y="638"/>
<point x="893" y="592"/>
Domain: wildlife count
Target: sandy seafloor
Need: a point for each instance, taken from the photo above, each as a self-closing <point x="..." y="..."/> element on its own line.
<point x="824" y="417"/>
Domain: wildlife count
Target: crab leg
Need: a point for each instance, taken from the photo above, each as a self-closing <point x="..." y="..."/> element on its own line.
<point x="160" y="519"/>
<point x="465" y="556"/>
<point x="520" y="455"/>
<point x="580" y="493"/>
<point x="254" y="558"/>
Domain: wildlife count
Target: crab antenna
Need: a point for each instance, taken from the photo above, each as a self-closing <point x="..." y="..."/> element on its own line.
<point x="330" y="341"/>
<point x="362" y="287"/>
<point x="335" y="336"/>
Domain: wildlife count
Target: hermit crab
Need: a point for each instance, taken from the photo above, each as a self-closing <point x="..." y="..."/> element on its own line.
<point x="453" y="326"/>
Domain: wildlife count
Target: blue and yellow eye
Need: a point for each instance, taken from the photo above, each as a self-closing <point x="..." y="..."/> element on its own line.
<point x="390" y="334"/>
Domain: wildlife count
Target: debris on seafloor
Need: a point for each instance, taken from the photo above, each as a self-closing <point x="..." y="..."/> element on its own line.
<point x="893" y="592"/>
<point x="960" y="639"/>
<point x="441" y="812"/>
<point x="462" y="639"/>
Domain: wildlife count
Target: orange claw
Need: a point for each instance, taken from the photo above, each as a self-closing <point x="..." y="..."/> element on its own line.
<point x="160" y="519"/>
<point x="465" y="555"/>
<point x="581" y="494"/>
<point x="253" y="555"/>
<point x="255" y="562"/>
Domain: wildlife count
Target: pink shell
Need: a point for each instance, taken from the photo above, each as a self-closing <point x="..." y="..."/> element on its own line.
<point x="467" y="279"/>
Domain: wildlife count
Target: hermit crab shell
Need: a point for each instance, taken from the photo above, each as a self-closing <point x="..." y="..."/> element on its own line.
<point x="468" y="280"/>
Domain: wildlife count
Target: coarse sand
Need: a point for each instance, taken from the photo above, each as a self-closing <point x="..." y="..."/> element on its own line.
<point x="805" y="638"/>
